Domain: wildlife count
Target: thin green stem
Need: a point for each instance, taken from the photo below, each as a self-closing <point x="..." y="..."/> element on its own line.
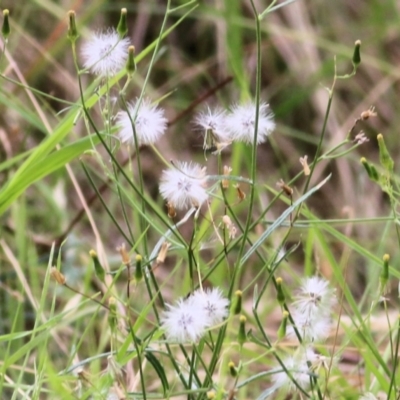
<point x="392" y="386"/>
<point x="253" y="152"/>
<point x="100" y="197"/>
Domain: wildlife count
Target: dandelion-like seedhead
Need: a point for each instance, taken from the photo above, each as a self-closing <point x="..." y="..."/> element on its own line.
<point x="315" y="297"/>
<point x="149" y="122"/>
<point x="105" y="53"/>
<point x="184" y="322"/>
<point x="311" y="328"/>
<point x="312" y="310"/>
<point x="189" y="319"/>
<point x="212" y="123"/>
<point x="213" y="303"/>
<point x="184" y="185"/>
<point x="241" y="122"/>
<point x="298" y="367"/>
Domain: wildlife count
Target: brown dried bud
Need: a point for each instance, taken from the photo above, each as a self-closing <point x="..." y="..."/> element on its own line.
<point x="304" y="163"/>
<point x="368" y="114"/>
<point x="126" y="259"/>
<point x="162" y="255"/>
<point x="240" y="193"/>
<point x="232" y="230"/>
<point x="171" y="210"/>
<point x="287" y="189"/>
<point x="227" y="172"/>
<point x="57" y="276"/>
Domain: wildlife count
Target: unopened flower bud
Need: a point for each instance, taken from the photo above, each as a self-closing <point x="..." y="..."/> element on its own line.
<point x="122" y="27"/>
<point x="138" y="270"/>
<point x="371" y="170"/>
<point x="238" y="304"/>
<point x="356" y="54"/>
<point x="283" y="325"/>
<point x="242" y="336"/>
<point x="5" y="29"/>
<point x="384" y="156"/>
<point x="112" y="304"/>
<point x="211" y="395"/>
<point x="232" y="369"/>
<point x="98" y="269"/>
<point x="384" y="277"/>
<point x="280" y="295"/>
<point x="72" y="30"/>
<point x="131" y="64"/>
<point x="112" y="316"/>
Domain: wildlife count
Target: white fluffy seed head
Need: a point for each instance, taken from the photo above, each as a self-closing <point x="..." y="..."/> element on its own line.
<point x="184" y="185"/>
<point x="298" y="366"/>
<point x="149" y="122"/>
<point x="213" y="303"/>
<point x="241" y="122"/>
<point x="184" y="322"/>
<point x="188" y="320"/>
<point x="212" y="123"/>
<point x="315" y="298"/>
<point x="105" y="53"/>
<point x="312" y="329"/>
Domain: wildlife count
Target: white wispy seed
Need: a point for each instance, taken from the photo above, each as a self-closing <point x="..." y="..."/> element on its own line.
<point x="105" y="53"/>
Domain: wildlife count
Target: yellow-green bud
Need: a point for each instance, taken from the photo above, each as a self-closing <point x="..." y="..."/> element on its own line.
<point x="384" y="156"/>
<point x="112" y="316"/>
<point x="98" y="269"/>
<point x="112" y="304"/>
<point x="356" y="54"/>
<point x="283" y="325"/>
<point x="280" y="295"/>
<point x="371" y="170"/>
<point x="232" y="369"/>
<point x="238" y="304"/>
<point x="138" y="270"/>
<point x="131" y="63"/>
<point x="384" y="277"/>
<point x="5" y="29"/>
<point x="242" y="336"/>
<point x="122" y="27"/>
<point x="211" y="395"/>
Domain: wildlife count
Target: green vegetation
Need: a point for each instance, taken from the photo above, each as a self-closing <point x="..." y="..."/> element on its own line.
<point x="146" y="253"/>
